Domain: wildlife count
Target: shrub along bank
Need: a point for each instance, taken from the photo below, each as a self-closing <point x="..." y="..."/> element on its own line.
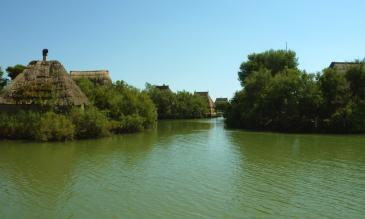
<point x="115" y="108"/>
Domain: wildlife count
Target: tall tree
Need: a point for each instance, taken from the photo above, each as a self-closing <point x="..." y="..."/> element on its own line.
<point x="335" y="90"/>
<point x="14" y="71"/>
<point x="356" y="77"/>
<point x="3" y="80"/>
<point x="272" y="60"/>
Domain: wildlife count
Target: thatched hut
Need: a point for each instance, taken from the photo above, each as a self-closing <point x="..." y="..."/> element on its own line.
<point x="97" y="76"/>
<point x="343" y="67"/>
<point x="205" y="94"/>
<point x="221" y="100"/>
<point x="163" y="87"/>
<point x="42" y="83"/>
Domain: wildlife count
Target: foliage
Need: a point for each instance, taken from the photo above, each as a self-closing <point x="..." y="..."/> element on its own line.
<point x="291" y="100"/>
<point x="221" y="106"/>
<point x="36" y="126"/>
<point x="121" y="102"/>
<point x="21" y="125"/>
<point x="3" y="80"/>
<point x="356" y="78"/>
<point x="130" y="123"/>
<point x="273" y="60"/>
<point x="15" y="70"/>
<point x="89" y="123"/>
<point x="54" y="127"/>
<point x="335" y="90"/>
<point x="180" y="105"/>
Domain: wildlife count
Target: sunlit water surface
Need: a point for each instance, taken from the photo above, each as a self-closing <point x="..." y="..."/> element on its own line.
<point x="186" y="169"/>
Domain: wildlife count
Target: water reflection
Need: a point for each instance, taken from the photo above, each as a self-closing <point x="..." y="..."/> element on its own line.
<point x="289" y="174"/>
<point x="263" y="146"/>
<point x="52" y="172"/>
<point x="182" y="127"/>
<point x="185" y="169"/>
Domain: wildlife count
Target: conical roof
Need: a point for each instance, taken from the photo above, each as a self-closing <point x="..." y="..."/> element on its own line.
<point x="43" y="83"/>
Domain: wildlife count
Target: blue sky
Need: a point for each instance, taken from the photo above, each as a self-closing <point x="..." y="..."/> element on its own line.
<point x="196" y="45"/>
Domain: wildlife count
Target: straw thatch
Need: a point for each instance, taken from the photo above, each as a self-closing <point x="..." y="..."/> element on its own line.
<point x="44" y="83"/>
<point x="221" y="100"/>
<point x="98" y="76"/>
<point x="163" y="87"/>
<point x="343" y="67"/>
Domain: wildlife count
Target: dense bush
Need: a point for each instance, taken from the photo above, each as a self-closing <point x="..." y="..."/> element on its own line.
<point x="90" y="123"/>
<point x="54" y="127"/>
<point x="120" y="102"/>
<point x="131" y="123"/>
<point x="21" y="125"/>
<point x="280" y="97"/>
<point x="36" y="126"/>
<point x="180" y="105"/>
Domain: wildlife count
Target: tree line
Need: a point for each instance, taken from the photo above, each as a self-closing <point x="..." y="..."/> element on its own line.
<point x="179" y="105"/>
<point x="114" y="108"/>
<point x="277" y="96"/>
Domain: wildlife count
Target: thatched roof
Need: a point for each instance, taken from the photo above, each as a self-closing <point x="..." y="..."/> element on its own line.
<point x="342" y="67"/>
<point x="205" y="94"/>
<point x="163" y="87"/>
<point x="221" y="100"/>
<point x="100" y="76"/>
<point x="43" y="83"/>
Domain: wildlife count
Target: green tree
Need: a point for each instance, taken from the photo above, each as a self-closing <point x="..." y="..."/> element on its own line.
<point x="3" y="80"/>
<point x="335" y="89"/>
<point x="127" y="108"/>
<point x="280" y="97"/>
<point x="180" y="105"/>
<point x="356" y="78"/>
<point x="221" y="106"/>
<point x="287" y="101"/>
<point x="164" y="101"/>
<point x="14" y="71"/>
<point x="272" y="60"/>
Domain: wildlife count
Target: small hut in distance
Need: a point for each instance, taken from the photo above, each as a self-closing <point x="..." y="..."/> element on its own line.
<point x="205" y="95"/>
<point x="96" y="76"/>
<point x="221" y="100"/>
<point x="163" y="87"/>
<point x="343" y="67"/>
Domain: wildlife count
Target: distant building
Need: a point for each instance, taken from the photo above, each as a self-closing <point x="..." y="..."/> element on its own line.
<point x="205" y="94"/>
<point x="163" y="87"/>
<point x="342" y="67"/>
<point x="221" y="100"/>
<point x="97" y="76"/>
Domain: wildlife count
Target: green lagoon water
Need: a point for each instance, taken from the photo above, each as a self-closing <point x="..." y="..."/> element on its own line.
<point x="186" y="169"/>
